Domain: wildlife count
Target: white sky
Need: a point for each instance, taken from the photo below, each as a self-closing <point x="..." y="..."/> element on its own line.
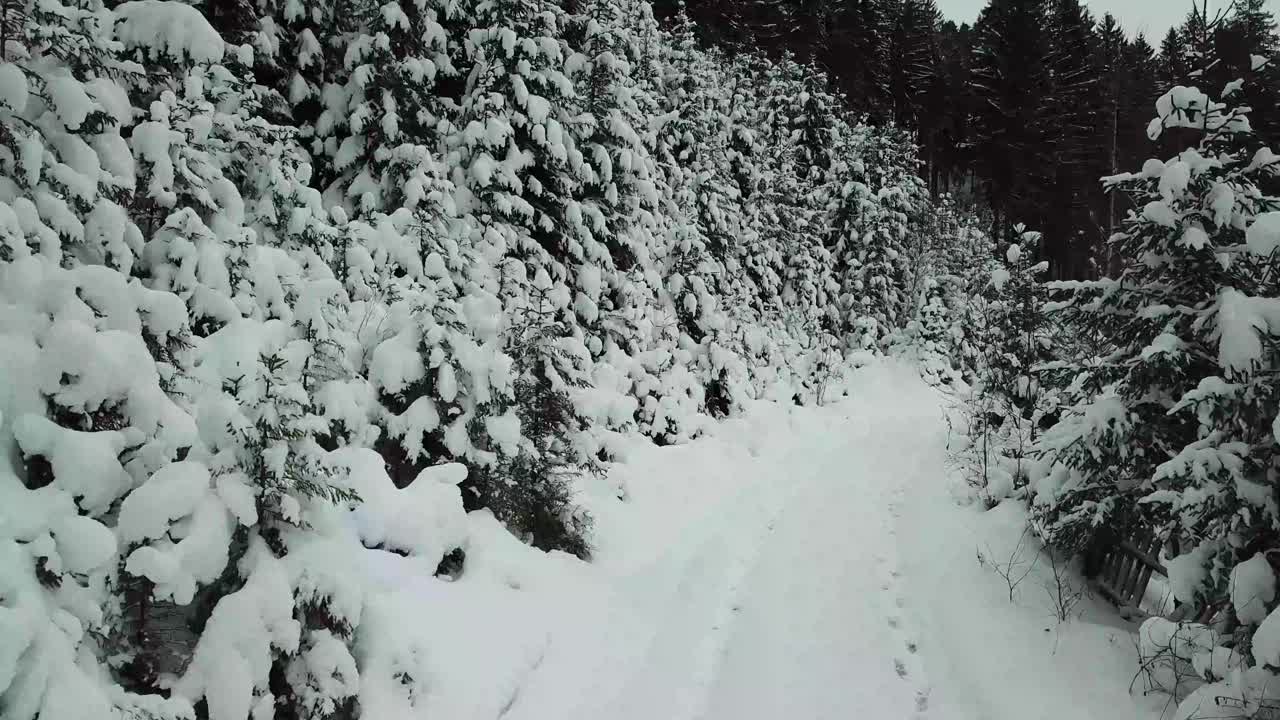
<point x="1153" y="17"/>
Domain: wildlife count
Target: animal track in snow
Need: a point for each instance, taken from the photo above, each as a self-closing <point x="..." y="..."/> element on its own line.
<point x="908" y="665"/>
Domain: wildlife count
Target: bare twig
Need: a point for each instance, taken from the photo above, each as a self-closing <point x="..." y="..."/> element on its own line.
<point x="1013" y="569"/>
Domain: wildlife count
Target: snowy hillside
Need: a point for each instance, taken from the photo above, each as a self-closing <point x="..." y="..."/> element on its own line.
<point x="307" y="309"/>
<point x="486" y="359"/>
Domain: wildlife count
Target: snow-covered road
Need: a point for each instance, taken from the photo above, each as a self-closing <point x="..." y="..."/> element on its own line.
<point x="788" y="599"/>
<point x="820" y="630"/>
<point x="798" y="564"/>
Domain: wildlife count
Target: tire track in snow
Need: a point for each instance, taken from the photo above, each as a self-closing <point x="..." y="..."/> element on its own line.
<point x="726" y="620"/>
<point x="814" y="640"/>
<point x="685" y="654"/>
<point x="787" y="598"/>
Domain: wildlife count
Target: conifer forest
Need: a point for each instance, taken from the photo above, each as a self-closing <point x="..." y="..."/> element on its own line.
<point x="638" y="360"/>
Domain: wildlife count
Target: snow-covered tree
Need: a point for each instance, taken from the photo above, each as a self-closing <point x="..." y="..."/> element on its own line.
<point x="1171" y="428"/>
<point x="1005" y="402"/>
<point x="287" y="289"/>
<point x="389" y="110"/>
<point x="88" y="360"/>
<point x="871" y="221"/>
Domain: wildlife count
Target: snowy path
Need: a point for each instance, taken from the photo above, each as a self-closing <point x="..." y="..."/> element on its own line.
<point x="807" y="564"/>
<point x="821" y="633"/>
<point x="789" y="602"/>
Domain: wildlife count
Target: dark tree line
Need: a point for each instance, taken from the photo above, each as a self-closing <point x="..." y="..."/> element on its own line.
<point x="1026" y="109"/>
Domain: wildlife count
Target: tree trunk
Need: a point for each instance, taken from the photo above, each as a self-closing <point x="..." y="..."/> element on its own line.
<point x="1111" y="196"/>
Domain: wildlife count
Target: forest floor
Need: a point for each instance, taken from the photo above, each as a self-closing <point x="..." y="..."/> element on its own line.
<point x="798" y="563"/>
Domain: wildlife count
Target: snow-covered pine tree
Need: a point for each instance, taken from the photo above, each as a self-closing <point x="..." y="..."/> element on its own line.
<point x="231" y="229"/>
<point x="387" y="118"/>
<point x="929" y="335"/>
<point x="518" y="136"/>
<point x="959" y="257"/>
<point x="263" y="456"/>
<point x="299" y="56"/>
<point x="190" y="145"/>
<point x="1172" y="425"/>
<point x="91" y="360"/>
<point x="89" y="356"/>
<point x="69" y="167"/>
<point x="1004" y="405"/>
<point x="757" y="164"/>
<point x="619" y="177"/>
<point x="791" y="193"/>
<point x="691" y="149"/>
<point x="524" y="165"/>
<point x="1019" y="337"/>
<point x="871" y="223"/>
<point x="538" y="433"/>
<point x="406" y="256"/>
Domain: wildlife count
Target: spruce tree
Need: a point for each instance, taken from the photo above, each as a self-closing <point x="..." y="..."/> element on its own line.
<point x="1011" y="81"/>
<point x="1173" y="62"/>
<point x="1113" y="66"/>
<point x="1072" y="111"/>
<point x="951" y="104"/>
<point x="1004" y="407"/>
<point x="913" y="48"/>
<point x="1148" y="442"/>
<point x="385" y="118"/>
<point x="860" y="29"/>
<point x="1248" y="45"/>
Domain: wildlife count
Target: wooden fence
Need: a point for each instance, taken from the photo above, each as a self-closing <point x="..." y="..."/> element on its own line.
<point x="1120" y="568"/>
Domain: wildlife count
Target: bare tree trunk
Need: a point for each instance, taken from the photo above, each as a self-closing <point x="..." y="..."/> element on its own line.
<point x="6" y="7"/>
<point x="932" y="175"/>
<point x="1111" y="196"/>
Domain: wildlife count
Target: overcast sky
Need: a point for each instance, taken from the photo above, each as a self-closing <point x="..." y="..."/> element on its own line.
<point x="1153" y="17"/>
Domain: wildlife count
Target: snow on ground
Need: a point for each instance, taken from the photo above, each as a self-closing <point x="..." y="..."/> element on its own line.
<point x="989" y="657"/>
<point x="800" y="563"/>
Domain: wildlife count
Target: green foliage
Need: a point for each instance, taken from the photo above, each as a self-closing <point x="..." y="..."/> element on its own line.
<point x="1171" y="422"/>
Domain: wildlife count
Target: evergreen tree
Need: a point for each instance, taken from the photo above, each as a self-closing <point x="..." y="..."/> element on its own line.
<point x="1114" y="56"/>
<point x="1004" y="407"/>
<point x="622" y="179"/>
<point x="386" y="116"/>
<point x="534" y="431"/>
<point x="870" y="227"/>
<point x="913" y="47"/>
<point x="860" y="30"/>
<point x="1011" y="81"/>
<point x="1149" y="431"/>
<point x="1139" y="96"/>
<point x="951" y="106"/>
<point x="1248" y="45"/>
<point x="1173" y="63"/>
<point x="1072" y="113"/>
